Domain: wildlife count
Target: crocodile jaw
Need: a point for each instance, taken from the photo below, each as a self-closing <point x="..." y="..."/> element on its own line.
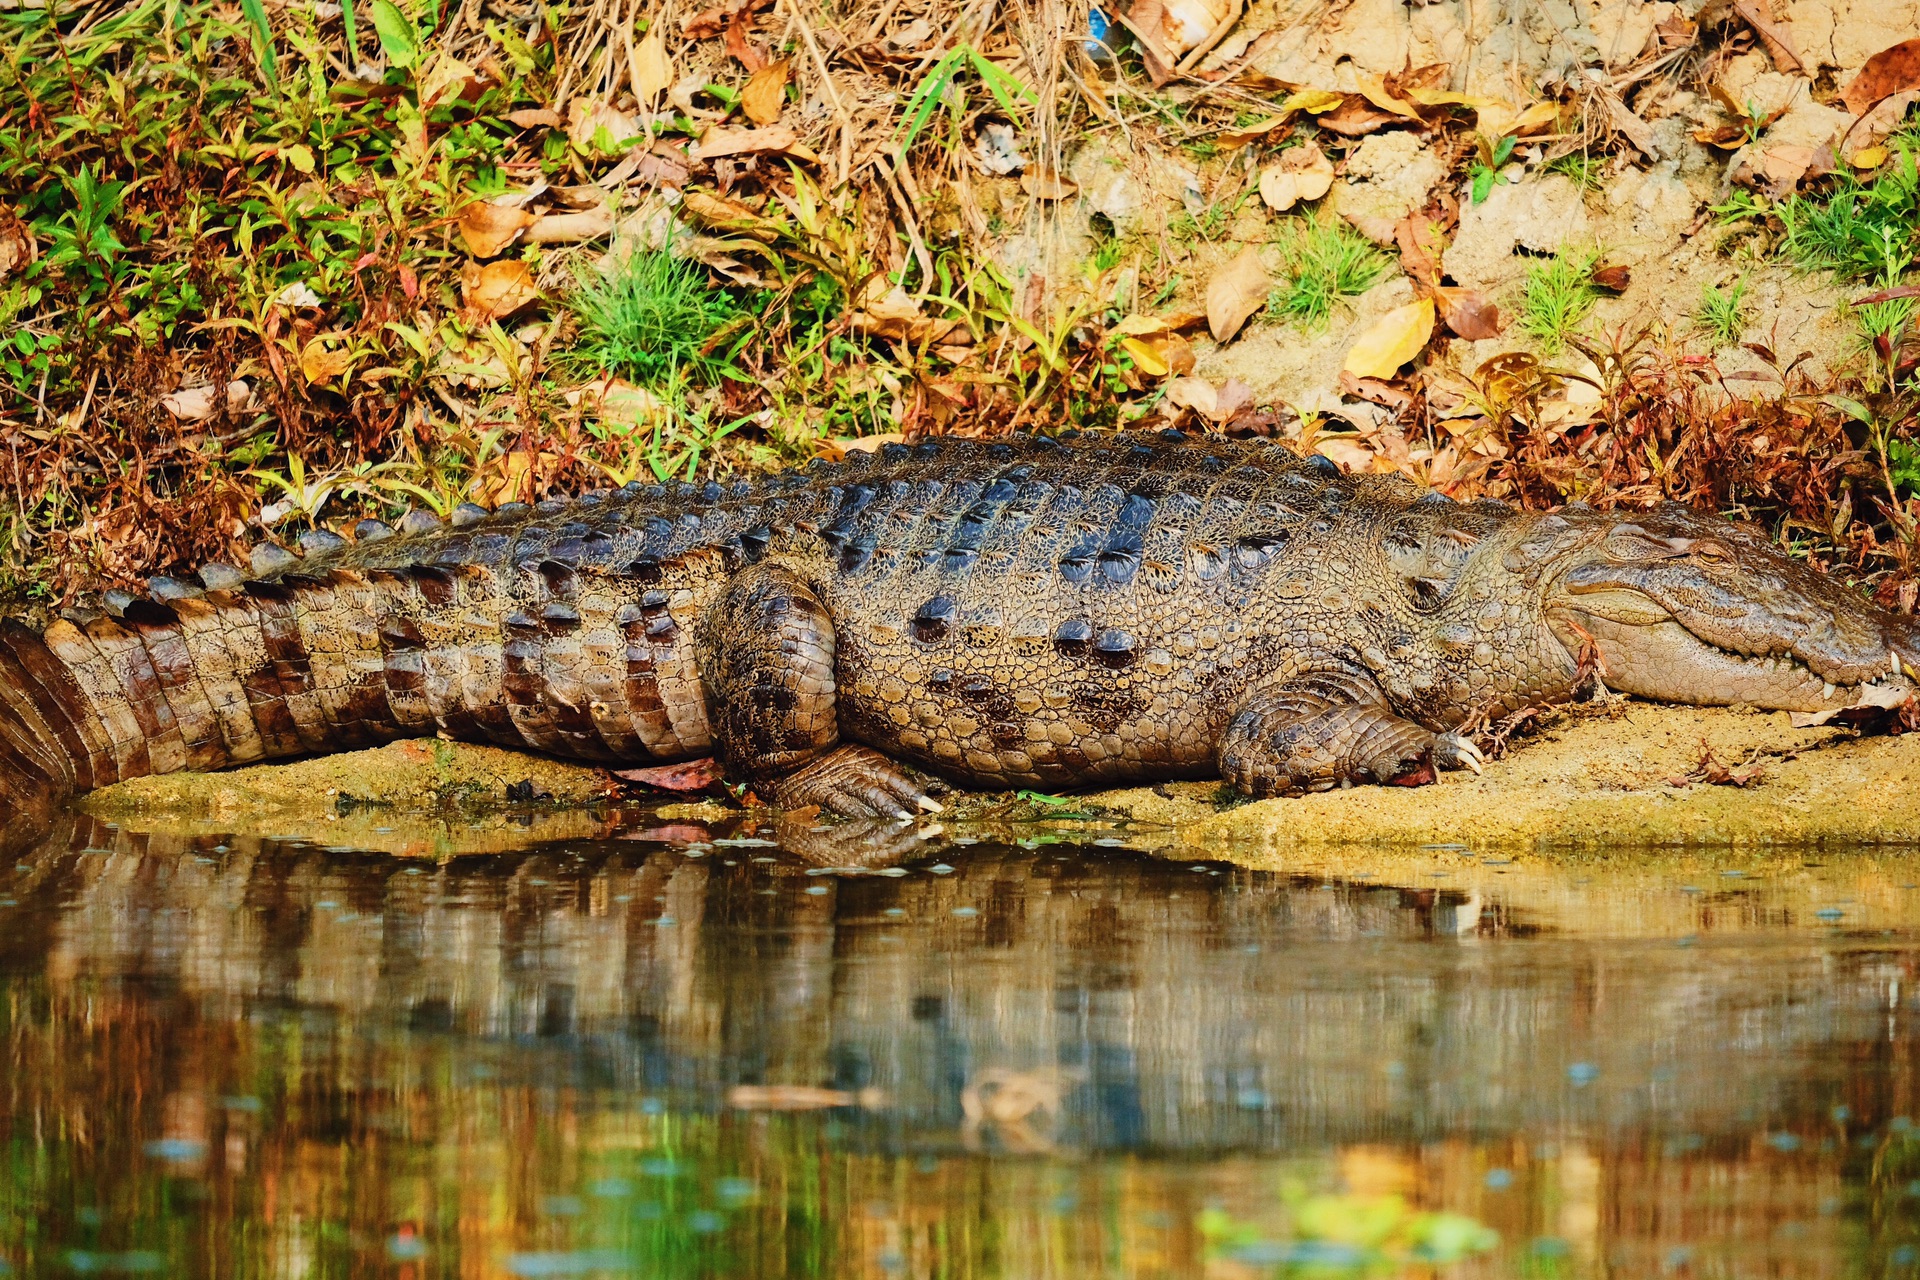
<point x="1656" y="657"/>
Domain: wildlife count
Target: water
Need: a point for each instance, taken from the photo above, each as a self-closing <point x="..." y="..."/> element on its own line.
<point x="687" y="1048"/>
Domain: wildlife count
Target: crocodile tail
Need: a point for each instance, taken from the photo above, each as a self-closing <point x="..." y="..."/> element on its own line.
<point x="38" y="766"/>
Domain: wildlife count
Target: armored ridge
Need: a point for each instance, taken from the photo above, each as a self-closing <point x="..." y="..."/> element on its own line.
<point x="1031" y="612"/>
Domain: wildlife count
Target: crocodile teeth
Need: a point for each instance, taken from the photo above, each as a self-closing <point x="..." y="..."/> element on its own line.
<point x="1827" y="690"/>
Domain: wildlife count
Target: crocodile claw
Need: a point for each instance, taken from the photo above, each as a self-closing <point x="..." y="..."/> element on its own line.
<point x="854" y="782"/>
<point x="1451" y="751"/>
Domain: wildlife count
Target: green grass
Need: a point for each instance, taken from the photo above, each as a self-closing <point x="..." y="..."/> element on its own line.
<point x="1861" y="232"/>
<point x="1582" y="166"/>
<point x="1323" y="261"/>
<point x="1557" y="296"/>
<point x="652" y="318"/>
<point x="1722" y="314"/>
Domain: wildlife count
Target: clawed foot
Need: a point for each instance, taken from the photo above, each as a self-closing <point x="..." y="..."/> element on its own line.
<point x="1451" y="751"/>
<point x="853" y="782"/>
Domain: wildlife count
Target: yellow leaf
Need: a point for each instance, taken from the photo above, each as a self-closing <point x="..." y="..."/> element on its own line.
<point x="301" y="157"/>
<point x="445" y="78"/>
<point x="1232" y="139"/>
<point x="489" y="228"/>
<point x="1448" y="98"/>
<point x="1869" y="157"/>
<point x="1139" y="326"/>
<point x="1313" y="101"/>
<point x="766" y="92"/>
<point x="1374" y="90"/>
<point x="1301" y="173"/>
<point x="652" y="69"/>
<point x="1146" y="358"/>
<point x="1044" y="184"/>
<point x="1533" y="117"/>
<point x="1236" y="291"/>
<point x="1394" y="339"/>
<point x="322" y="365"/>
<point x="499" y="288"/>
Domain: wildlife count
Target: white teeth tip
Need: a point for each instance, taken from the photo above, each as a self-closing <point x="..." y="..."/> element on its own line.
<point x="929" y="804"/>
<point x="1827" y="692"/>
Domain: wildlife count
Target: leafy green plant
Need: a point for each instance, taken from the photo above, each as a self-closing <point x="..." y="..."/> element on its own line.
<point x="1486" y="167"/>
<point x="653" y="317"/>
<point x="1323" y="261"/>
<point x="1557" y="296"/>
<point x="1722" y="313"/>
<point x="942" y="86"/>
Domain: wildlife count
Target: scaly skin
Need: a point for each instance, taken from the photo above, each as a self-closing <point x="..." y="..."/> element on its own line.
<point x="1030" y="613"/>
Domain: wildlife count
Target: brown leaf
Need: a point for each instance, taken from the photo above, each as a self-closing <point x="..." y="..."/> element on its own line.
<point x="1301" y="173"/>
<point x="585" y="121"/>
<point x="1045" y="184"/>
<point x="535" y="117"/>
<point x="318" y="364"/>
<point x="766" y="92"/>
<point x="1467" y="312"/>
<point x="1236" y="291"/>
<point x="1890" y="71"/>
<point x="719" y="141"/>
<point x="727" y="215"/>
<point x="1421" y="245"/>
<point x="16" y="245"/>
<point x="1784" y="57"/>
<point x="1374" y="90"/>
<point x="489" y="228"/>
<point x="497" y="289"/>
<point x="710" y="22"/>
<point x="652" y="68"/>
<point x="1614" y="279"/>
<point x="1391" y="341"/>
<point x="1889" y="295"/>
<point x="740" y="47"/>
<point x="688" y="775"/>
<point x="1356" y="117"/>
<point x="1627" y="124"/>
<point x="794" y="1097"/>
<point x="1374" y="391"/>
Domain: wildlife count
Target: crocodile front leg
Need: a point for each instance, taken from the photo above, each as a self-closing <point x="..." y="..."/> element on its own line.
<point x="766" y="656"/>
<point x="1325" y="729"/>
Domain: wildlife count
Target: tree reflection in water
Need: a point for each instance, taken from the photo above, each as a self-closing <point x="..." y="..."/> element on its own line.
<point x="686" y="1050"/>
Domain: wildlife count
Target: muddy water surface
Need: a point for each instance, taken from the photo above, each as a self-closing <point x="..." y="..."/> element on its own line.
<point x="703" y="1047"/>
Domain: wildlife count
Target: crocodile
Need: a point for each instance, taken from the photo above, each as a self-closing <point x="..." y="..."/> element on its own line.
<point x="1043" y="612"/>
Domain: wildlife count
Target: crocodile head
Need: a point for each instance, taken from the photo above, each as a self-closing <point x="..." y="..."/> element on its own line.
<point x="1683" y="607"/>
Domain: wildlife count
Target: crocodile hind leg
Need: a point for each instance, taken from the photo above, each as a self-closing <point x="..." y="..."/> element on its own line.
<point x="1331" y="728"/>
<point x="766" y="657"/>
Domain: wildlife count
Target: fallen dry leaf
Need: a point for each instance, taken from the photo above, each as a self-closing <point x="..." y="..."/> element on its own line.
<point x="190" y="404"/>
<point x="1301" y="173"/>
<point x="1139" y="326"/>
<point x="1890" y="71"/>
<point x="1467" y="312"/>
<point x="766" y="92"/>
<point x="1347" y="452"/>
<point x="586" y="120"/>
<point x="444" y="78"/>
<point x="1374" y="90"/>
<point x="1374" y="391"/>
<point x="570" y="228"/>
<point x="1216" y="404"/>
<point x="1422" y="242"/>
<point x="1236" y="291"/>
<point x="1627" y="124"/>
<point x="1234" y="139"/>
<point x="488" y="228"/>
<point x="1393" y="339"/>
<point x="318" y="364"/>
<point x="1146" y="357"/>
<point x="1613" y="278"/>
<point x="652" y="68"/>
<point x="1047" y="185"/>
<point x="1356" y="117"/>
<point x="497" y="289"/>
<point x="1785" y="58"/>
<point x="1865" y="158"/>
<point x="16" y="246"/>
<point x="535" y="117"/>
<point x="720" y="141"/>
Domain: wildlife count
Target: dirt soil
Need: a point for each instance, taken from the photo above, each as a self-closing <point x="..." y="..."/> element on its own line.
<point x="1629" y="776"/>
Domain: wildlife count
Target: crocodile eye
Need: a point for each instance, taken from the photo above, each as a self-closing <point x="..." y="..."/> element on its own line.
<point x="1711" y="552"/>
